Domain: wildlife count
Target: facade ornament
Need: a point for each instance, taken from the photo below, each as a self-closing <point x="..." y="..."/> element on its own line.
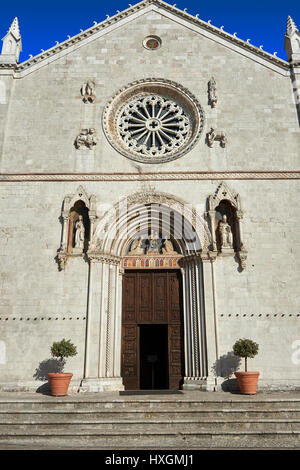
<point x="74" y="229"/>
<point x="153" y="245"/>
<point x="86" y="138"/>
<point x="12" y="44"/>
<point x="230" y="235"/>
<point x="88" y="92"/>
<point x="168" y="248"/>
<point x="144" y="124"/>
<point x="212" y="92"/>
<point x="216" y="135"/>
<point x="242" y="256"/>
<point x="137" y="247"/>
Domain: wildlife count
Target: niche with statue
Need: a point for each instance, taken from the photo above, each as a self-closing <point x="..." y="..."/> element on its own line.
<point x="78" y="218"/>
<point x="79" y="228"/>
<point x="225" y="217"/>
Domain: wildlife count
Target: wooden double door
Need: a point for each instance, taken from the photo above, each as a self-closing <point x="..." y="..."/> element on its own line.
<point x="152" y="330"/>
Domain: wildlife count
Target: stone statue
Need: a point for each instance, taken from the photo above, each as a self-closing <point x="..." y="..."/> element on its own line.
<point x="88" y="92"/>
<point x="79" y="234"/>
<point x="137" y="247"/>
<point x="225" y="233"/>
<point x="168" y="248"/>
<point x="212" y="92"/>
<point x="86" y="138"/>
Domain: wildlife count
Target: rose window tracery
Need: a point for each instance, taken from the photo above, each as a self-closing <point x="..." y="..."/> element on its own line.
<point x="153" y="120"/>
<point x="153" y="125"/>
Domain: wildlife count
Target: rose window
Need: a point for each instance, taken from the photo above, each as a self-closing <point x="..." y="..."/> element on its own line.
<point x="153" y="125"/>
<point x="153" y="121"/>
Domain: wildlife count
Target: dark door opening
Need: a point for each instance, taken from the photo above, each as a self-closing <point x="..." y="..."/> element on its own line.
<point x="153" y="357"/>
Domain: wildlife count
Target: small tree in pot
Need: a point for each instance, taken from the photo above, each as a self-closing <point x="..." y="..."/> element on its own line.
<point x="59" y="382"/>
<point x="247" y="381"/>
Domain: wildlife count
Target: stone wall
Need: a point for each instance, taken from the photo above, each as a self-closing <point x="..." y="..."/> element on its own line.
<point x="255" y="105"/>
<point x="40" y="304"/>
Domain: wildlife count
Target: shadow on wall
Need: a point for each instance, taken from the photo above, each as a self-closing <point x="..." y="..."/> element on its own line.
<point x="41" y="373"/>
<point x="225" y="367"/>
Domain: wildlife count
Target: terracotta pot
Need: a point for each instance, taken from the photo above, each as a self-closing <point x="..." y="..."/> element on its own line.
<point x="59" y="383"/>
<point x="247" y="382"/>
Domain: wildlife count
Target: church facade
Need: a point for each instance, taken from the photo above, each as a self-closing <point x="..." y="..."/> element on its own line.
<point x="149" y="186"/>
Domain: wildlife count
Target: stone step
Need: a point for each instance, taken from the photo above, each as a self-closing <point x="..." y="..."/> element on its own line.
<point x="153" y="426"/>
<point x="63" y="403"/>
<point x="193" y="415"/>
<point x="158" y="440"/>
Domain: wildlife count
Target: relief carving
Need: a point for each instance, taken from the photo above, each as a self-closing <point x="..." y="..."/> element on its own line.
<point x="88" y="92"/>
<point x="86" y="138"/>
<point x="215" y="135"/>
<point x="212" y="92"/>
<point x="153" y="245"/>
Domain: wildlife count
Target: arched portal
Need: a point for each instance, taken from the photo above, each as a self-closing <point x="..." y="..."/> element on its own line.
<point x="136" y="219"/>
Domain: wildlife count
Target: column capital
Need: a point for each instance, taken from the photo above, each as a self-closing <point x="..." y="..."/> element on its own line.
<point x="106" y="258"/>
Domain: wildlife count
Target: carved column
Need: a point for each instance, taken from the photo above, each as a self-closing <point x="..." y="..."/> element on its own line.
<point x="212" y="216"/>
<point x="194" y="324"/>
<point x="103" y="337"/>
<point x="242" y="253"/>
<point x="211" y="320"/>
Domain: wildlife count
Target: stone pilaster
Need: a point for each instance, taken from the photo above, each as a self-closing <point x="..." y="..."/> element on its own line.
<point x="103" y="337"/>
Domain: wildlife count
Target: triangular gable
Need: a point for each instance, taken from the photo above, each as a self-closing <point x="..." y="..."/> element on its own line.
<point x="181" y="16"/>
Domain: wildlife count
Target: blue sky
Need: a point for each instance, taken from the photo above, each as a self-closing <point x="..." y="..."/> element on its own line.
<point x="41" y="24"/>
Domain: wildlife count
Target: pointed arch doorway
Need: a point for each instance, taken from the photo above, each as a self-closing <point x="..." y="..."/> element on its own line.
<point x="152" y="330"/>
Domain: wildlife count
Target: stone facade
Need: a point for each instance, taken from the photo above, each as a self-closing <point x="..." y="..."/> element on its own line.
<point x="54" y="151"/>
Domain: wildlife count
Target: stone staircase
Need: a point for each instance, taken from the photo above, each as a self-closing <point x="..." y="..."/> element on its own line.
<point x="194" y="420"/>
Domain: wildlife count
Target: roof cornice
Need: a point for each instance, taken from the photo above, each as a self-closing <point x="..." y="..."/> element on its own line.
<point x="71" y="41"/>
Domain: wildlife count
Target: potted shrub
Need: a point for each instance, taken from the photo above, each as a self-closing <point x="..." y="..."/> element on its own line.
<point x="59" y="381"/>
<point x="247" y="381"/>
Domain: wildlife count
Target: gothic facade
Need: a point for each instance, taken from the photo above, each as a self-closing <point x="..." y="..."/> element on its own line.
<point x="149" y="186"/>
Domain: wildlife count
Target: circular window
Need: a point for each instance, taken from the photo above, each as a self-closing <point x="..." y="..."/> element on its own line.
<point x="153" y="125"/>
<point x="152" y="42"/>
<point x="153" y="121"/>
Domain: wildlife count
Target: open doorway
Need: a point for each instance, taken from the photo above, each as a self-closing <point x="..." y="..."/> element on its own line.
<point x="153" y="357"/>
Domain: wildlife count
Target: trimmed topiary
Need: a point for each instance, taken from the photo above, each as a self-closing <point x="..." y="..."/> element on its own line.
<point x="63" y="349"/>
<point x="245" y="348"/>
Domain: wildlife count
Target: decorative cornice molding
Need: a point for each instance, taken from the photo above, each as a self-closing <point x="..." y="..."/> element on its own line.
<point x="232" y="38"/>
<point x="106" y="258"/>
<point x="151" y="176"/>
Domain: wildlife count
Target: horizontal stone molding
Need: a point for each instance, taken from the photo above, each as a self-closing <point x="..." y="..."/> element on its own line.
<point x="260" y="315"/>
<point x="45" y="318"/>
<point x="163" y="176"/>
